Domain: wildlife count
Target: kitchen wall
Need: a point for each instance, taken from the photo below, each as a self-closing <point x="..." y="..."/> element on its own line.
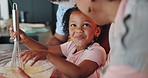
<point x="37" y="11"/>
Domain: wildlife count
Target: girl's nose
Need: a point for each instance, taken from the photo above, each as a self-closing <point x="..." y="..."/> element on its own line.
<point x="79" y="30"/>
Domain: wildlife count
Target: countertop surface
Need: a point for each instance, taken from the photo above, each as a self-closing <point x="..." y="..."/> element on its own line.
<point x="42" y="38"/>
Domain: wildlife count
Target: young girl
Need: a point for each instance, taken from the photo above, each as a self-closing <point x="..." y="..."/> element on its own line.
<point x="84" y="57"/>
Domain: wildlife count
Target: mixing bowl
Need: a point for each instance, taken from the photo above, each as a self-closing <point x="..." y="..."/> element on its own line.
<point x="41" y="69"/>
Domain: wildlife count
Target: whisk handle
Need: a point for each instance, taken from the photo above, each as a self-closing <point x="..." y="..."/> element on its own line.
<point x="15" y="18"/>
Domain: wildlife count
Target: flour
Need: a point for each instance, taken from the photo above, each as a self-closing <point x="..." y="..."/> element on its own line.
<point x="42" y="69"/>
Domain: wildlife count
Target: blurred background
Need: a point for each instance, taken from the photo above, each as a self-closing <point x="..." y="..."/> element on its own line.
<point x="31" y="11"/>
<point x="37" y="18"/>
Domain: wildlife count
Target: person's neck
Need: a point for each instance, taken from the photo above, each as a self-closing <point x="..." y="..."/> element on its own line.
<point x="111" y="9"/>
<point x="78" y="48"/>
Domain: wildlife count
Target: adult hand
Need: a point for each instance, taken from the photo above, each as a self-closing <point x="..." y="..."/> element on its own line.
<point x="13" y="34"/>
<point x="33" y="54"/>
<point x="21" y="73"/>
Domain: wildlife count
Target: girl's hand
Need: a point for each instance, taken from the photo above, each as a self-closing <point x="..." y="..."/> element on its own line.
<point x="13" y="34"/>
<point x="22" y="73"/>
<point x="1" y="76"/>
<point x="33" y="54"/>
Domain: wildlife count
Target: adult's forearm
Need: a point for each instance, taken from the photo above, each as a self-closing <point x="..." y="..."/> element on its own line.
<point x="34" y="45"/>
<point x="57" y="39"/>
<point x="53" y="41"/>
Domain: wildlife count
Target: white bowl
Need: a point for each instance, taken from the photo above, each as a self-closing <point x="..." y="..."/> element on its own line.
<point x="41" y="69"/>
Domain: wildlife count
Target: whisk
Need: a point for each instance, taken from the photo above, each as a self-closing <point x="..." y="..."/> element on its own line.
<point x="15" y="60"/>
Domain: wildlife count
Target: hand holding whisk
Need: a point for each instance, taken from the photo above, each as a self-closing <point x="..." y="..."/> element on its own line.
<point x="16" y="61"/>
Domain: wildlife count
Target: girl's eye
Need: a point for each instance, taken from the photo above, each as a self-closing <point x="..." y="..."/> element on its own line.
<point x="73" y="25"/>
<point x="86" y="25"/>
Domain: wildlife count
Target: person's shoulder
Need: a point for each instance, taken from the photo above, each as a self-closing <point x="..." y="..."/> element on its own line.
<point x="97" y="47"/>
<point x="66" y="4"/>
<point x="62" y="7"/>
<point x="69" y="44"/>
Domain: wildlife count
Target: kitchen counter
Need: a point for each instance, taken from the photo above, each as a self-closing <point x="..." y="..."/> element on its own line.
<point x="43" y="37"/>
<point x="7" y="49"/>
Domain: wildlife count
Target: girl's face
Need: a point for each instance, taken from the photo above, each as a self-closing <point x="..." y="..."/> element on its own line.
<point x="82" y="29"/>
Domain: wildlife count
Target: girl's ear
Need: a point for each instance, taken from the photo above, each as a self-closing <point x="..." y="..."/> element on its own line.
<point x="97" y="32"/>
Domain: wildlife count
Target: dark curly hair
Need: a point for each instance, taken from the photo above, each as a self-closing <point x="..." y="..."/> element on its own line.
<point x="66" y="17"/>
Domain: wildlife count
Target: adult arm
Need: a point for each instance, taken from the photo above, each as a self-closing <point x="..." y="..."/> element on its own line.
<point x="57" y="39"/>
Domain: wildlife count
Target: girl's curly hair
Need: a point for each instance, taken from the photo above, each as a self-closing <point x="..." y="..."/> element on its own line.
<point x="66" y="17"/>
